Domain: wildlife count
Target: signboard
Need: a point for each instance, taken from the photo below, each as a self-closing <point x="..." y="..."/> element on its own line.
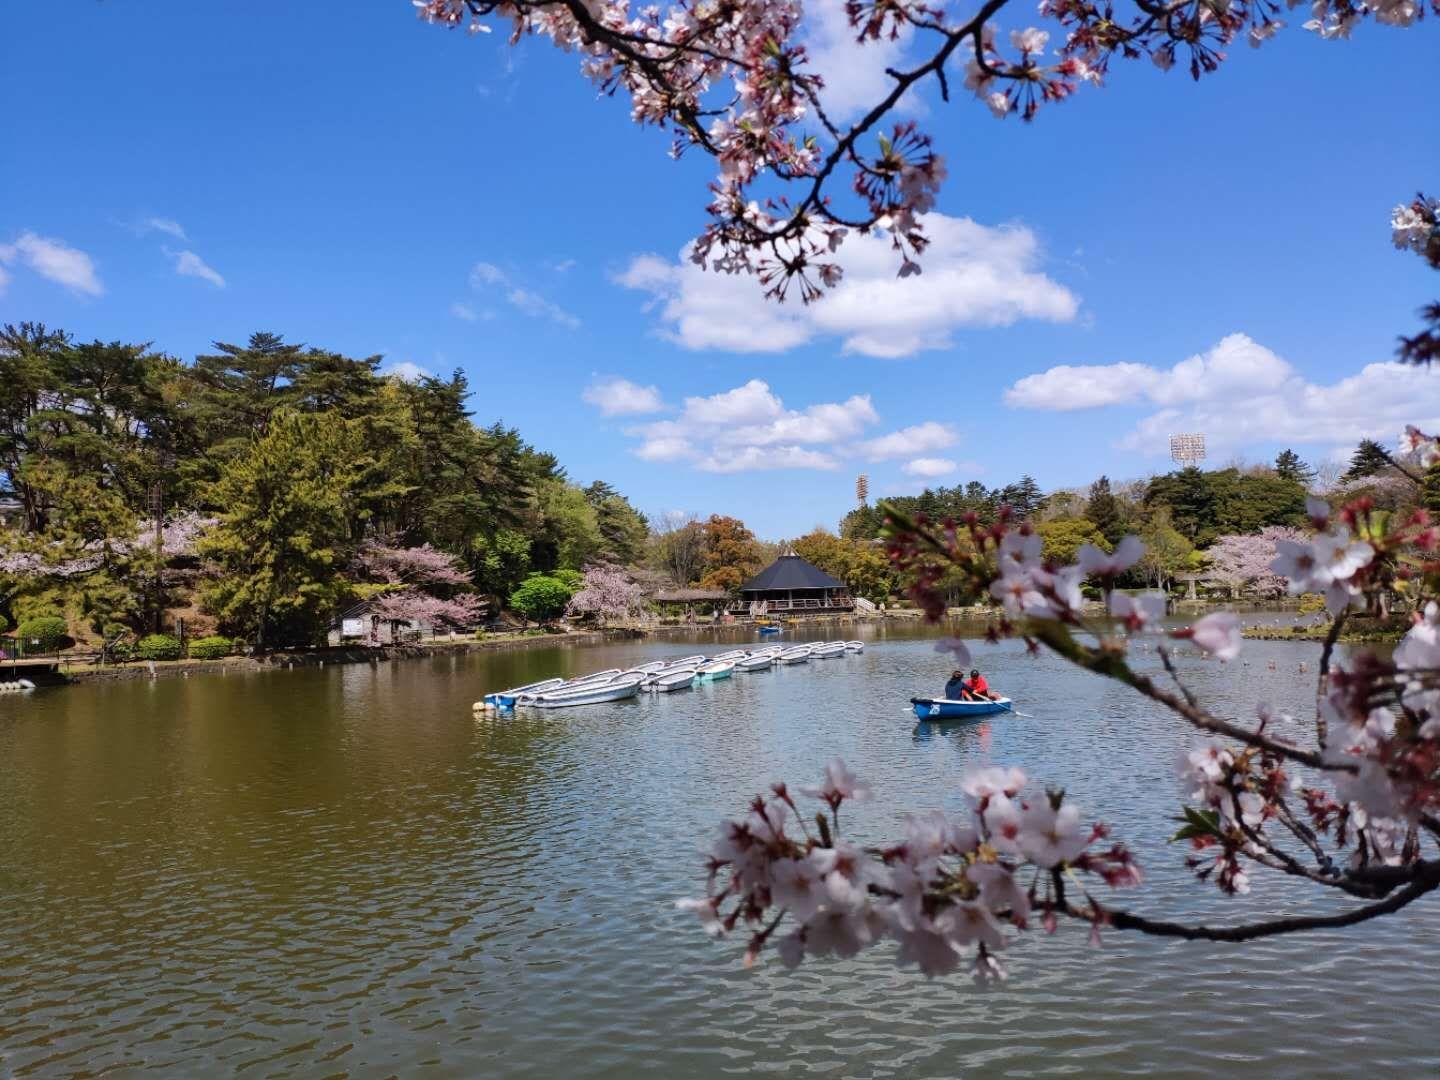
<point x="352" y="628"/>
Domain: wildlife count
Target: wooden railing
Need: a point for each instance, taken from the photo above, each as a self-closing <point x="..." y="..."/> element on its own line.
<point x="776" y="606"/>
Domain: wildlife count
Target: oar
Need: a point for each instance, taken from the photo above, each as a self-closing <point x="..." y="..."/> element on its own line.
<point x="1010" y="708"/>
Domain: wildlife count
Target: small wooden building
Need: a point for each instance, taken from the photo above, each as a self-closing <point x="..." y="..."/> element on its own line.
<point x="360" y="625"/>
<point x="792" y="586"/>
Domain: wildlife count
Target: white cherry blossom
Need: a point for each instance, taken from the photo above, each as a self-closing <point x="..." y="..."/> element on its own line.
<point x="1217" y="634"/>
<point x="1048" y="836"/>
<point x="1098" y="563"/>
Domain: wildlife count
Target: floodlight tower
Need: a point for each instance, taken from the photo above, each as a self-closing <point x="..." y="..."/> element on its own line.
<point x="862" y="489"/>
<point x="1187" y="451"/>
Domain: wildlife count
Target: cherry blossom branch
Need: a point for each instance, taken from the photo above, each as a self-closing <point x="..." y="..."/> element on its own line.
<point x="1425" y="880"/>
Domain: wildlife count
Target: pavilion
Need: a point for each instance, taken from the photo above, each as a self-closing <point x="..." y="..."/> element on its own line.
<point x="792" y="586"/>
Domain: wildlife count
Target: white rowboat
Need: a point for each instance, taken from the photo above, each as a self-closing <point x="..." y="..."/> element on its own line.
<point x="593" y="694"/>
<point x="670" y="681"/>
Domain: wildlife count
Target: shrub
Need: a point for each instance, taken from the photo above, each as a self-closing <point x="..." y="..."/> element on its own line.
<point x="158" y="647"/>
<point x="541" y="597"/>
<point x="210" y="648"/>
<point x="44" y="633"/>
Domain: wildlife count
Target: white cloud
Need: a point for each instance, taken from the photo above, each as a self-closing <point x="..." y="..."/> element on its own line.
<point x="1235" y="367"/>
<point x="752" y="458"/>
<point x="855" y="77"/>
<point x="463" y="311"/>
<point x="665" y="448"/>
<point x="916" y="439"/>
<point x="53" y="260"/>
<point x="165" y="225"/>
<point x="974" y="275"/>
<point x="1067" y="386"/>
<point x="188" y="264"/>
<point x="484" y="273"/>
<point x="486" y="277"/>
<point x="1240" y="393"/>
<point x="562" y="265"/>
<point x="750" y="427"/>
<point x="536" y="305"/>
<point x="621" y="397"/>
<point x="408" y="370"/>
<point x="929" y="466"/>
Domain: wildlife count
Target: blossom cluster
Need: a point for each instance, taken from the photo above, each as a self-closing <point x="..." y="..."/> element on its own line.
<point x="179" y="538"/>
<point x="948" y="894"/>
<point x="733" y="80"/>
<point x="1330" y="563"/>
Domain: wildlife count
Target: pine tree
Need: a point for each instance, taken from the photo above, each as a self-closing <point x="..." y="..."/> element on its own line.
<point x="289" y="526"/>
<point x="1430" y="492"/>
<point x="1289" y="466"/>
<point x="1369" y="458"/>
<point x="1025" y="497"/>
<point x="1104" y="510"/>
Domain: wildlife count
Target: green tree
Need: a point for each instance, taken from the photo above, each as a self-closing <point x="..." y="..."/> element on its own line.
<point x="1430" y="491"/>
<point x="1289" y="466"/>
<point x="1104" y="510"/>
<point x="296" y="502"/>
<point x="1368" y="459"/>
<point x="1167" y="550"/>
<point x="542" y="597"/>
<point x="623" y="529"/>
<point x="500" y="561"/>
<point x="1024" y="497"/>
<point x="569" y="529"/>
<point x="859" y="564"/>
<point x="1062" y="538"/>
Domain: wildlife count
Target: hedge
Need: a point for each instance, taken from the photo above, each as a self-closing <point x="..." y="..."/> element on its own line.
<point x="210" y="648"/>
<point x="158" y="647"/>
<point x="45" y="633"/>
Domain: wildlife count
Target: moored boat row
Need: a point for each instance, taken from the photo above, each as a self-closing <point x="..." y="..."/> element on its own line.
<point x="657" y="676"/>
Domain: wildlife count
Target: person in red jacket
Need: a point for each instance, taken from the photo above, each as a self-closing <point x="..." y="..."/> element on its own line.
<point x="977" y="685"/>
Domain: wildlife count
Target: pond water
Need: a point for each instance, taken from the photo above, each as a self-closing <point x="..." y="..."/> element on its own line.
<point x="341" y="872"/>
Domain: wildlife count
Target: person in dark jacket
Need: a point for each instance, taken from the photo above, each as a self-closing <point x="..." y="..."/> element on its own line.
<point x="955" y="689"/>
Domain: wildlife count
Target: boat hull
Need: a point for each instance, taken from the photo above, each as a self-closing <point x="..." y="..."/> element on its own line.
<point x="944" y="709"/>
<point x="587" y="696"/>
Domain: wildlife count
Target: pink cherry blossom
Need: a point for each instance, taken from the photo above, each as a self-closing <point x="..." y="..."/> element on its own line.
<point x="1217" y="634"/>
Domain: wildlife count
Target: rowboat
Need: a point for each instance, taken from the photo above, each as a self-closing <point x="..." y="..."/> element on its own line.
<point x="769" y="629"/>
<point x="599" y="677"/>
<point x="682" y="661"/>
<point x="593" y="694"/>
<point x="829" y="650"/>
<point x="668" y="681"/>
<point x="716" y="670"/>
<point x="854" y="646"/>
<point x="757" y="662"/>
<point x="733" y="654"/>
<point x="505" y="699"/>
<point x="646" y="669"/>
<point x="800" y="655"/>
<point x="945" y="709"/>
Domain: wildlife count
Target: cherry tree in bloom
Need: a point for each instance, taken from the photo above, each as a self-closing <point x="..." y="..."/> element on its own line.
<point x="421" y="585"/>
<point x="606" y="593"/>
<point x="1243" y="562"/>
<point x="459" y="612"/>
<point x="734" y="80"/>
<point x="179" y="536"/>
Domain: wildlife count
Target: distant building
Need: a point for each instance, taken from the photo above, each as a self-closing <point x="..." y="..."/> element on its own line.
<point x="360" y="625"/>
<point x="792" y="586"/>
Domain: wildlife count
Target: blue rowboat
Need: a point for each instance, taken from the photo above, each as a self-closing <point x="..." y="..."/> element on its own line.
<point x="769" y="629"/>
<point x="944" y="709"/>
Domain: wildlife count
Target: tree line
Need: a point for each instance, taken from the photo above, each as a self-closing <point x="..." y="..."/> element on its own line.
<point x="297" y="461"/>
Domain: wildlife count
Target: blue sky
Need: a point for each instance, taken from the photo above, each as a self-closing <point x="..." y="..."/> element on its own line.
<point x="369" y="184"/>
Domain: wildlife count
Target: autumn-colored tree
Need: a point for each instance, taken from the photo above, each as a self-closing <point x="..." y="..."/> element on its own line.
<point x="732" y="554"/>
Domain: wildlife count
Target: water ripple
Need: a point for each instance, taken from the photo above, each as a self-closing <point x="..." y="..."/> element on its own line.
<point x="342" y="873"/>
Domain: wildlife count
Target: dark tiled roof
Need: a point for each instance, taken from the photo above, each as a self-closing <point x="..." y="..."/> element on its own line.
<point x="791" y="572"/>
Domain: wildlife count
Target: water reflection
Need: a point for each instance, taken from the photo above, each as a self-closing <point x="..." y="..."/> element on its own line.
<point x="345" y="872"/>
